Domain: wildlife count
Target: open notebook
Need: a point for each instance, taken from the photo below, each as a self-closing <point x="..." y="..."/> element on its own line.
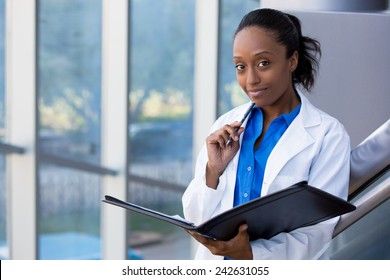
<point x="297" y="206"/>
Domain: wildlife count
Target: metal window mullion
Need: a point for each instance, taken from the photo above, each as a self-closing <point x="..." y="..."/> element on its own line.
<point x="114" y="124"/>
<point x="206" y="68"/>
<point x="206" y="72"/>
<point x="21" y="128"/>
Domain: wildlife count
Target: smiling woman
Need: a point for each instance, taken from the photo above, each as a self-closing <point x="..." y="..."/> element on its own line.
<point x="284" y="140"/>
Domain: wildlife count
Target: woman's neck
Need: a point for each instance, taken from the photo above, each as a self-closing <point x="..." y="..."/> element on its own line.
<point x="283" y="105"/>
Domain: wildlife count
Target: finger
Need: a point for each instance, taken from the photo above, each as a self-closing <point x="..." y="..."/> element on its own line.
<point x="227" y="136"/>
<point x="240" y="131"/>
<point x="200" y="238"/>
<point x="224" y="139"/>
<point x="243" y="228"/>
<point x="236" y="131"/>
<point x="219" y="137"/>
<point x="195" y="236"/>
<point x="242" y="232"/>
<point x="235" y="124"/>
<point x="232" y="128"/>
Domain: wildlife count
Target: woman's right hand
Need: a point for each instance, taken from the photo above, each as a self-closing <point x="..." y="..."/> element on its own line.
<point x="219" y="152"/>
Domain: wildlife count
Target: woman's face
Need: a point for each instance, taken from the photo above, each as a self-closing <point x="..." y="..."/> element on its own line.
<point x="263" y="71"/>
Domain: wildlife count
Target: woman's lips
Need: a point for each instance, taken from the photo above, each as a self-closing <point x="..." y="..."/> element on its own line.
<point x="257" y="91"/>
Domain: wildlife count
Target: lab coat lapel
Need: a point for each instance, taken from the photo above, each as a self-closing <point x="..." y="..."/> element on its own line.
<point x="294" y="140"/>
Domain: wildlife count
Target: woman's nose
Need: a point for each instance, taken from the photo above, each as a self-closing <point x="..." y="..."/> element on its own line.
<point x="253" y="77"/>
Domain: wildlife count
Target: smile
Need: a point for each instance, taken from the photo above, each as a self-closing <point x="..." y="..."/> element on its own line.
<point x="257" y="91"/>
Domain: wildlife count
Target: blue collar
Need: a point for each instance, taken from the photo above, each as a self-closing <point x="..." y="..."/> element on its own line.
<point x="289" y="117"/>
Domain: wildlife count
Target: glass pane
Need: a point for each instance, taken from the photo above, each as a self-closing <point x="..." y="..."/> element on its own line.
<point x="69" y="77"/>
<point x="229" y="92"/>
<point x="69" y="214"/>
<point x="69" y="93"/>
<point x="161" y="101"/>
<point x="150" y="238"/>
<point x="368" y="238"/>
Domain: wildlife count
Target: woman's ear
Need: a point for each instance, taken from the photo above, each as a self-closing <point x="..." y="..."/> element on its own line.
<point x="294" y="61"/>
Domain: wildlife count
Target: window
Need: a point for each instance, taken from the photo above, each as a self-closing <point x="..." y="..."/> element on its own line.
<point x="369" y="237"/>
<point x="69" y="93"/>
<point x="69" y="214"/>
<point x="229" y="91"/>
<point x="160" y="133"/>
<point x="69" y="75"/>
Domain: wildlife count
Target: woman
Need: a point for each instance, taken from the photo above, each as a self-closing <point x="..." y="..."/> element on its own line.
<point x="284" y="140"/>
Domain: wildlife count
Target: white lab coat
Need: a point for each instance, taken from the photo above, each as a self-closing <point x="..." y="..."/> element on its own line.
<point x="314" y="148"/>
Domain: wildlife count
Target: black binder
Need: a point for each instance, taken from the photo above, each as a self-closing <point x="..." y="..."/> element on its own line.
<point x="297" y="206"/>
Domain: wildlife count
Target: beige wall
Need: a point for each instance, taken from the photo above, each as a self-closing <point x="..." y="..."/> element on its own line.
<point x="354" y="80"/>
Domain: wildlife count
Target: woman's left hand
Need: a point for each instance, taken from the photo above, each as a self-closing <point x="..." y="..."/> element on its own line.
<point x="237" y="248"/>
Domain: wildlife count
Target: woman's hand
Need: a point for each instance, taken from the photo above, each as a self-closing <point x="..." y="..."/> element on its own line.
<point x="219" y="152"/>
<point x="237" y="248"/>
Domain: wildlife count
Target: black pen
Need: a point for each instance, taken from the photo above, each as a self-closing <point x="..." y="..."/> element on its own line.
<point x="242" y="121"/>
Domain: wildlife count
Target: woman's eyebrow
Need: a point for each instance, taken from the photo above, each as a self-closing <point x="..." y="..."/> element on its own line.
<point x="256" y="54"/>
<point x="264" y="52"/>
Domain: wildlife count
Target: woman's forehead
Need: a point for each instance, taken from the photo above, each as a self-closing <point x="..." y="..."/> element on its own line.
<point x="255" y="40"/>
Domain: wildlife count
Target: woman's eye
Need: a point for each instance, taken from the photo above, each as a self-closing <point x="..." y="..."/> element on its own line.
<point x="263" y="63"/>
<point x="240" y="67"/>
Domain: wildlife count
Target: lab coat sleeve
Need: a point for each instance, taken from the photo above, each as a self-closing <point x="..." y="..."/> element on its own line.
<point x="330" y="172"/>
<point x="199" y="201"/>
